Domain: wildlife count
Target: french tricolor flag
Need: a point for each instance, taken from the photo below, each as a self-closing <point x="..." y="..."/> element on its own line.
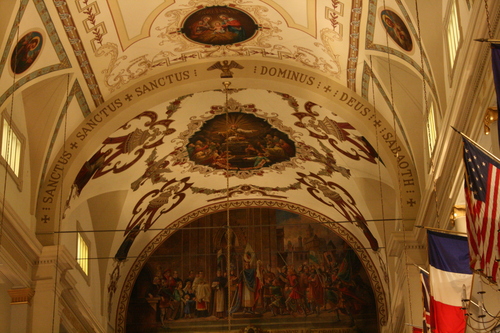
<point x="449" y="272"/>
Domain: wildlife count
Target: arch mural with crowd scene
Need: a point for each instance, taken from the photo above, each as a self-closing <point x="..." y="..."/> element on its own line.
<point x="285" y="271"/>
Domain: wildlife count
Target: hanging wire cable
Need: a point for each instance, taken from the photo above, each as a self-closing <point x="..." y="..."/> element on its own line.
<point x="490" y="34"/>
<point x="426" y="114"/>
<point x="380" y="186"/>
<point x="400" y="188"/>
<point x="8" y="137"/>
<point x="228" y="224"/>
<point x="205" y="227"/>
<point x="57" y="237"/>
<point x="486" y="319"/>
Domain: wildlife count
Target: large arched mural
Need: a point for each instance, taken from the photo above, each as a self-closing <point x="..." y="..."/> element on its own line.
<point x="281" y="271"/>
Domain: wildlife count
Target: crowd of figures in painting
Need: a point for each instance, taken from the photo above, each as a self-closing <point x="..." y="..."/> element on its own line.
<point x="310" y="277"/>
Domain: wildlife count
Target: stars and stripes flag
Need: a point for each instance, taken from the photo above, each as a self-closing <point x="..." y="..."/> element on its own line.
<point x="482" y="185"/>
<point x="426" y="297"/>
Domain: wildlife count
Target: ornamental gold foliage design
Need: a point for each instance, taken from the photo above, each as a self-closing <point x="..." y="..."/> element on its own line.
<point x="265" y="42"/>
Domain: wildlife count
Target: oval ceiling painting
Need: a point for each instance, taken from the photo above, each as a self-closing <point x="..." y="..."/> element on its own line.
<point x="26" y="52"/>
<point x="239" y="141"/>
<point x="219" y="25"/>
<point x="397" y="29"/>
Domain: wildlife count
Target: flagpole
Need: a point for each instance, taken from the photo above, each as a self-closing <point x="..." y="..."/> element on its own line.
<point x="487" y="40"/>
<point x="441" y="230"/>
<point x="425" y="271"/>
<point x="407" y="324"/>
<point x="488" y="278"/>
<point x="477" y="145"/>
<point x="466" y="308"/>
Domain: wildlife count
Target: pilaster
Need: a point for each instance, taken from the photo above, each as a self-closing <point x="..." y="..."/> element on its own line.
<point x="49" y="284"/>
<point x="20" y="309"/>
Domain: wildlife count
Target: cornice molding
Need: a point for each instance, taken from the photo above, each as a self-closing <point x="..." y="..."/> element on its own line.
<point x="400" y="241"/>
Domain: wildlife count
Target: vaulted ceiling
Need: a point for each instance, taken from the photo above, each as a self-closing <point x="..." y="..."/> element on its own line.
<point x="142" y="114"/>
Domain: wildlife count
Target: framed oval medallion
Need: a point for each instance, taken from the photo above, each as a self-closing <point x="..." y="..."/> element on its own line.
<point x="397" y="29"/>
<point x="26" y="52"/>
<point x="219" y="25"/>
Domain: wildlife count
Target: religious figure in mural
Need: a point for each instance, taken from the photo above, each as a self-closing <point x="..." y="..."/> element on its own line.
<point x="201" y="27"/>
<point x="240" y="142"/>
<point x="278" y="300"/>
<point x="189" y="302"/>
<point x="233" y="25"/>
<point x="397" y="29"/>
<point x="219" y="295"/>
<point x="307" y="272"/>
<point x="315" y="290"/>
<point x="26" y="52"/>
<point x="296" y="294"/>
<point x="164" y="303"/>
<point x="249" y="284"/>
<point x="202" y="291"/>
<point x="219" y="25"/>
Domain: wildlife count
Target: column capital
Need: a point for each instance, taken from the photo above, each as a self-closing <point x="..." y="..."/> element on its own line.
<point x="21" y="295"/>
<point x="53" y="257"/>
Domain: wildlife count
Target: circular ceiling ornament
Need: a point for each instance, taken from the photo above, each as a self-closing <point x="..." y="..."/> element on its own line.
<point x="397" y="29"/>
<point x="219" y="25"/>
<point x="26" y="52"/>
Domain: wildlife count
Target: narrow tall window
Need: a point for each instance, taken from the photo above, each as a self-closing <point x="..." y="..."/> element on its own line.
<point x="82" y="254"/>
<point x="11" y="147"/>
<point x="431" y="129"/>
<point x="453" y="33"/>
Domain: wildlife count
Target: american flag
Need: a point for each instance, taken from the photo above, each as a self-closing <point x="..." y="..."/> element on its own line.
<point x="482" y="185"/>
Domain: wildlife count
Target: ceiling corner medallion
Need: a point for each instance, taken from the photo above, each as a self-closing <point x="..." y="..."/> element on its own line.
<point x="396" y="28"/>
<point x="26" y="52"/>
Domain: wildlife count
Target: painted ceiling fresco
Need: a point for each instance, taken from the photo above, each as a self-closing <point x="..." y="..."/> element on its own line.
<point x="239" y="141"/>
<point x="225" y="147"/>
<point x="235" y="139"/>
<point x="183" y="109"/>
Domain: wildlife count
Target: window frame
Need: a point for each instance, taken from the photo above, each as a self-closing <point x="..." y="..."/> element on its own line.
<point x="431" y="128"/>
<point x="6" y="120"/>
<point x="81" y="237"/>
<point x="453" y="8"/>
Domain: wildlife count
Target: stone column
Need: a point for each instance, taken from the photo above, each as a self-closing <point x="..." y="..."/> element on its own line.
<point x="49" y="283"/>
<point x="20" y="308"/>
